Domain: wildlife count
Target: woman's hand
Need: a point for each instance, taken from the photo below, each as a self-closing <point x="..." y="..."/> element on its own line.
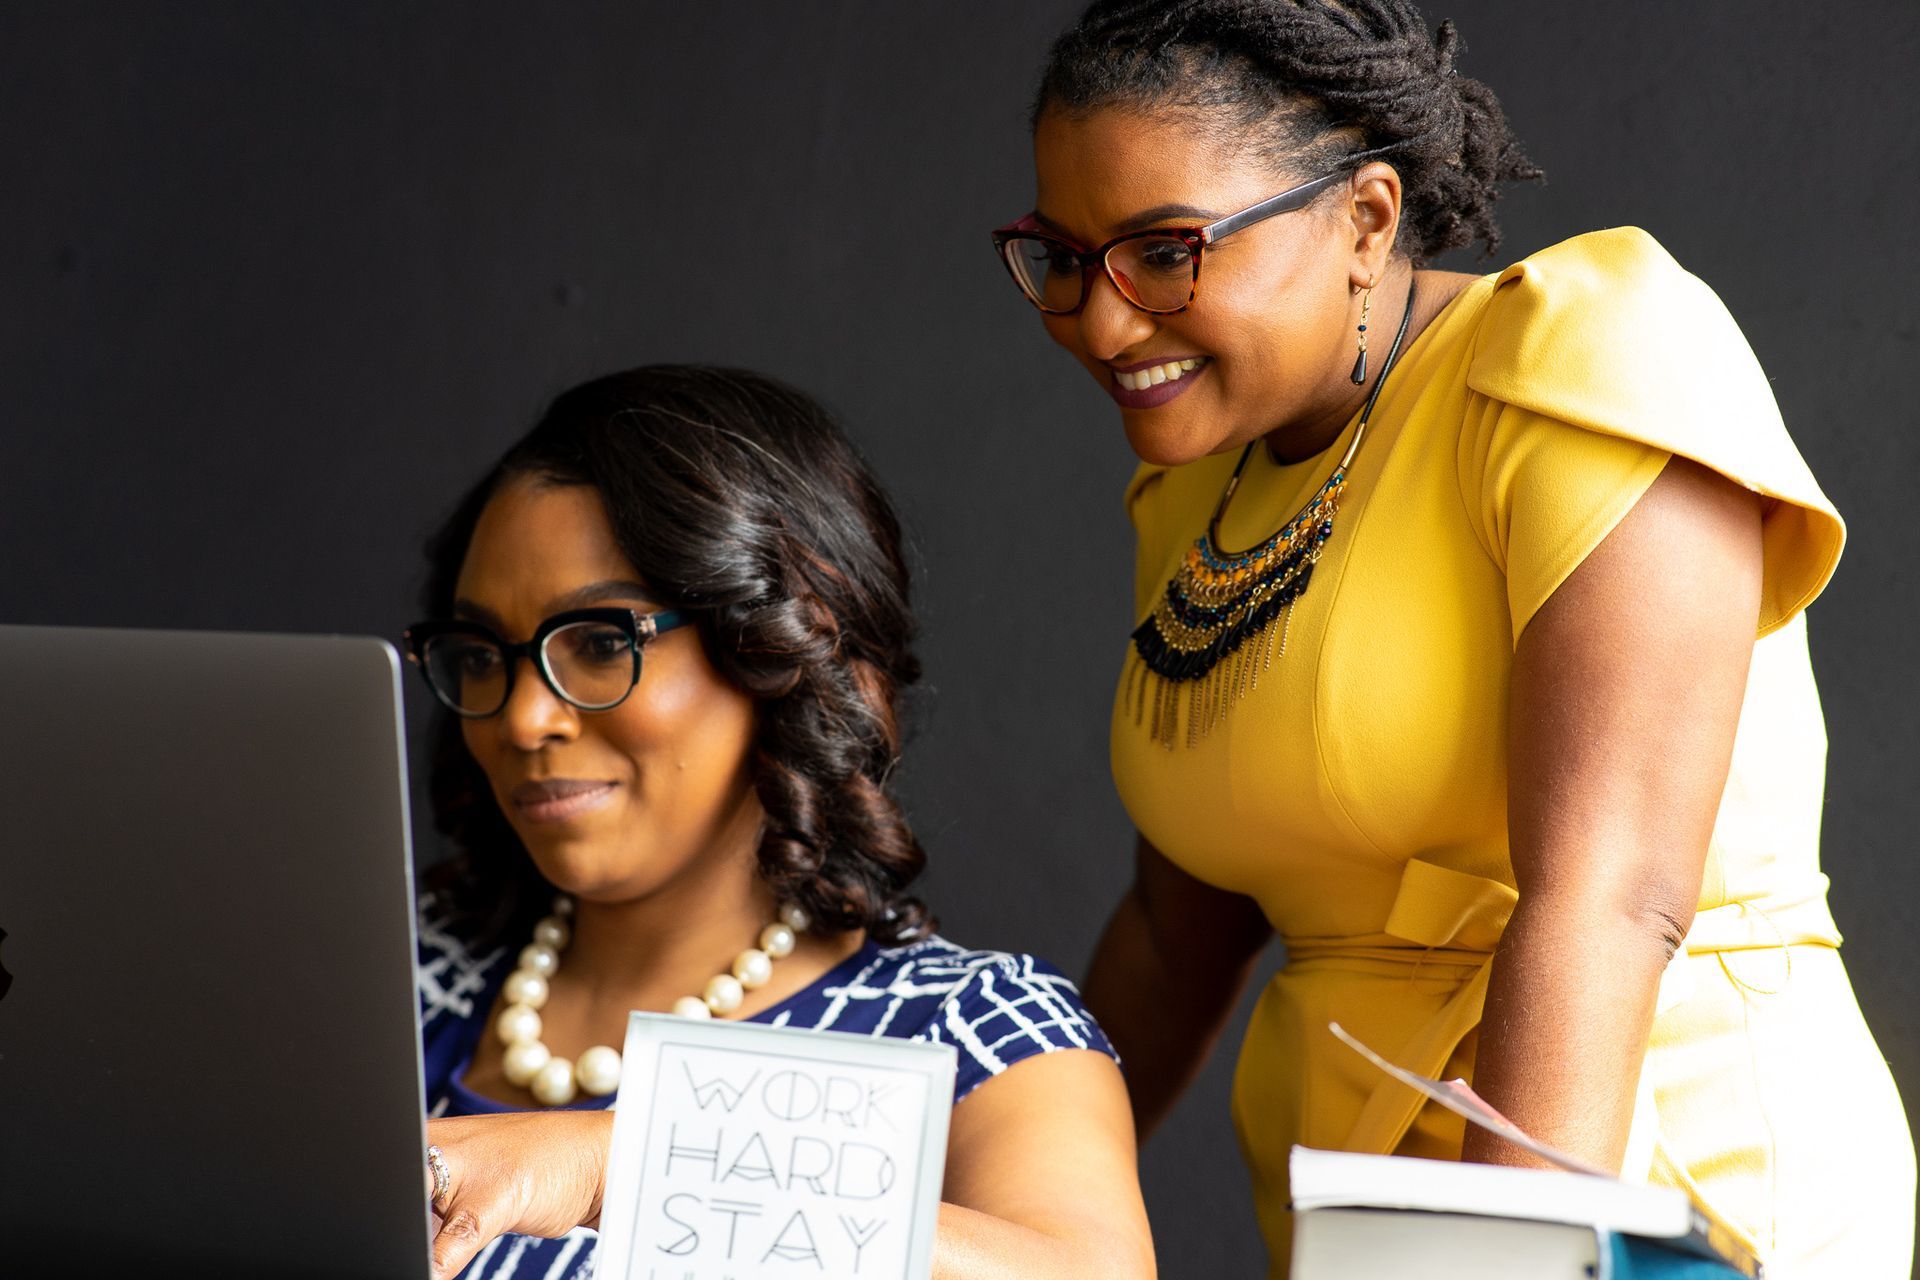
<point x="541" y="1173"/>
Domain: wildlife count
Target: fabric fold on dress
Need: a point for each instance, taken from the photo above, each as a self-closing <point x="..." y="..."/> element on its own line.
<point x="1608" y="333"/>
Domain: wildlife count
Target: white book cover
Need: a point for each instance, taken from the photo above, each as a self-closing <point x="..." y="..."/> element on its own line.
<point x="1386" y="1244"/>
<point x="1345" y="1179"/>
<point x="749" y="1152"/>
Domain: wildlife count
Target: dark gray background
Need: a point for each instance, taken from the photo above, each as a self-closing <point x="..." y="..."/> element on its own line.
<point x="278" y="279"/>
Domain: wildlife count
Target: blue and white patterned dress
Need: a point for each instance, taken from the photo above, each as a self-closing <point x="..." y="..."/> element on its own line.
<point x="994" y="1007"/>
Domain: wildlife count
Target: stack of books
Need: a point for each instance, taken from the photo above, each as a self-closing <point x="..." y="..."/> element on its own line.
<point x="1370" y="1217"/>
<point x="1357" y="1217"/>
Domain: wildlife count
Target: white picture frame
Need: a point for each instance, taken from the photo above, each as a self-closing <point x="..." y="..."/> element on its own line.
<point x="749" y="1152"/>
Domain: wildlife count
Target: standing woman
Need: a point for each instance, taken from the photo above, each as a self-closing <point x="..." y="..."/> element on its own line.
<point x="1471" y="657"/>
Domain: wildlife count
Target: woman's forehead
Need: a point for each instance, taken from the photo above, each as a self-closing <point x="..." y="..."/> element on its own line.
<point x="1105" y="172"/>
<point x="537" y="540"/>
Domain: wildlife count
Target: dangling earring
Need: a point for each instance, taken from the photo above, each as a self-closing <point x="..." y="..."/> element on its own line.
<point x="1360" y="362"/>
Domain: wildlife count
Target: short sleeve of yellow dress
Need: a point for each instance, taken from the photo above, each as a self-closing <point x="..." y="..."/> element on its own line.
<point x="1356" y="785"/>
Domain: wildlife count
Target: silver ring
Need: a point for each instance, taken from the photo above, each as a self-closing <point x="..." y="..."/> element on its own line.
<point x="442" y="1177"/>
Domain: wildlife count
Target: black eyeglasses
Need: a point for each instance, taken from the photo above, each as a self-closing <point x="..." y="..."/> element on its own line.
<point x="1157" y="270"/>
<point x="590" y="658"/>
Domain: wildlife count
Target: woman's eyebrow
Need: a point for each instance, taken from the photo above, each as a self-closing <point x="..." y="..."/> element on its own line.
<point x="1162" y="212"/>
<point x="468" y="610"/>
<point x="596" y="592"/>
<point x="578" y="598"/>
<point x="1139" y="221"/>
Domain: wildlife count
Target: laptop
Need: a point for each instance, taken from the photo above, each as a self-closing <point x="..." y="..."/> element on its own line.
<point x="208" y="1057"/>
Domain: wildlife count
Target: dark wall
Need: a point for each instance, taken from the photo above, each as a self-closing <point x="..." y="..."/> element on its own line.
<point x="276" y="280"/>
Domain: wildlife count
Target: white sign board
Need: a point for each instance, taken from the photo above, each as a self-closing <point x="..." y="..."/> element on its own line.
<point x="748" y="1152"/>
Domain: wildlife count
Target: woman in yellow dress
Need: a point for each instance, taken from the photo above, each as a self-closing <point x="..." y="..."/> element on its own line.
<point x="1471" y="657"/>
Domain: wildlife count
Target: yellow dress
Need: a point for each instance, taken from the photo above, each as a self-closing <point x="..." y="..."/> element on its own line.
<point x="1358" y="792"/>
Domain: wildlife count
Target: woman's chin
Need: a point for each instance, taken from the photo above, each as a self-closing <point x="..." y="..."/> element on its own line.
<point x="571" y="866"/>
<point x="591" y="871"/>
<point x="1174" y="443"/>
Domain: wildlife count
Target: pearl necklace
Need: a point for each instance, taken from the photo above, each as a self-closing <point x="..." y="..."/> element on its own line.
<point x="554" y="1080"/>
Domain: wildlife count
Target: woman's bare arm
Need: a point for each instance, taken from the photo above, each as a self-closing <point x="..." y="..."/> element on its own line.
<point x="1166" y="975"/>
<point x="1627" y="687"/>
<point x="1042" y="1178"/>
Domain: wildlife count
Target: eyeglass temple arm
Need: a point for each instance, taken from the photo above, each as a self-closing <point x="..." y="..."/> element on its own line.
<point x="1285" y="202"/>
<point x="653" y="624"/>
<point x="1288" y="201"/>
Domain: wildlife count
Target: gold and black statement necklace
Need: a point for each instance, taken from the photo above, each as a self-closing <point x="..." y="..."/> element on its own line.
<point x="1212" y="634"/>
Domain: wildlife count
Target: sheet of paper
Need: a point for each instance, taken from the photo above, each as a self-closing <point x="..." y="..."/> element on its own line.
<point x="745" y="1151"/>
<point x="1459" y="1097"/>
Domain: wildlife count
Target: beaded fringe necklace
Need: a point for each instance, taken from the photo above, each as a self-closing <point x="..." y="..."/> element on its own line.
<point x="1206" y="643"/>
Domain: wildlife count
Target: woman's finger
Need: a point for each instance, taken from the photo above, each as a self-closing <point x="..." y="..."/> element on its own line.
<point x="463" y="1232"/>
<point x="436" y="1168"/>
<point x="465" y="1215"/>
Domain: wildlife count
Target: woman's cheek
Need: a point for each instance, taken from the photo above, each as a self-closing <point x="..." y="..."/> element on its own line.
<point x="690" y="726"/>
<point x="482" y="749"/>
<point x="1065" y="333"/>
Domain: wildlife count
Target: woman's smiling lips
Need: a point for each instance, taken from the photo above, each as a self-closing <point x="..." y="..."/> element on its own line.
<point x="1148" y="384"/>
<point x="559" y="799"/>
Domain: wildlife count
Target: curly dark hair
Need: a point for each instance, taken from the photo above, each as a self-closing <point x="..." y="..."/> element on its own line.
<point x="1310" y="82"/>
<point x="739" y="501"/>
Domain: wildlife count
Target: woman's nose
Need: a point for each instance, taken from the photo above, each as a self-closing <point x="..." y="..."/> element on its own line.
<point x="534" y="716"/>
<point x="1109" y="324"/>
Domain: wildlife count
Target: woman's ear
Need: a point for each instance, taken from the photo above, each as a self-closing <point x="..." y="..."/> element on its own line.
<point x="1373" y="208"/>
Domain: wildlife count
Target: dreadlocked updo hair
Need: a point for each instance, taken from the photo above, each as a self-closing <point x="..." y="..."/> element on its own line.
<point x="1308" y="82"/>
<point x="740" y="502"/>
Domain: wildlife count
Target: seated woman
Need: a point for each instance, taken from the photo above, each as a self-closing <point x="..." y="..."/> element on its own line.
<point x="672" y="626"/>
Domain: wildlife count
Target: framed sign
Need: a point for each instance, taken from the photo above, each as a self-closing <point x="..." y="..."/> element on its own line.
<point x="748" y="1152"/>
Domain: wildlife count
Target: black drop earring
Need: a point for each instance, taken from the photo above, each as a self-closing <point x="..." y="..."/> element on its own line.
<point x="1360" y="361"/>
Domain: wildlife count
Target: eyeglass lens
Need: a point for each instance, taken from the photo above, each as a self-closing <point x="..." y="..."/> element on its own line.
<point x="593" y="665"/>
<point x="1154" y="272"/>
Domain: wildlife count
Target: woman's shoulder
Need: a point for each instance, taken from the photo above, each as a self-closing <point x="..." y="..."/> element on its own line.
<point x="938" y="962"/>
<point x="938" y="978"/>
<point x="1606" y="331"/>
<point x="1608" y="334"/>
<point x="995" y="1007"/>
<point x="1582" y="325"/>
<point x="454" y="966"/>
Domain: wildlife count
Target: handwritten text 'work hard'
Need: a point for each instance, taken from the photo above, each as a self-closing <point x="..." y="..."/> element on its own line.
<point x="770" y="1134"/>
<point x="834" y="1101"/>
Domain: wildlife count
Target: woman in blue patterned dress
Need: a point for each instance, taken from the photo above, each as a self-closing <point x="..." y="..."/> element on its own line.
<point x="678" y="801"/>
